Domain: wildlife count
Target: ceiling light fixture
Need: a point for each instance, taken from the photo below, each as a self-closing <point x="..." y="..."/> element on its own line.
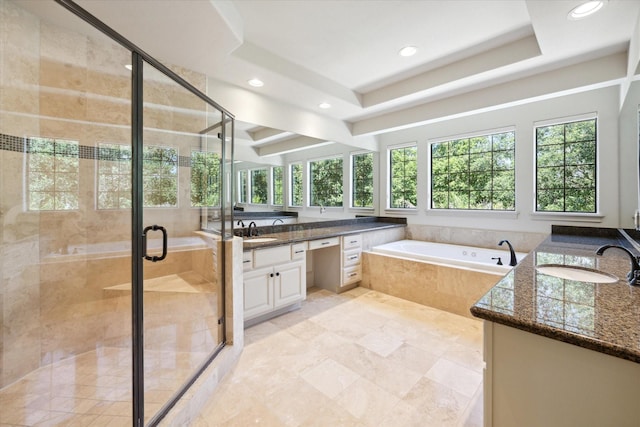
<point x="324" y="105"/>
<point x="585" y="9"/>
<point x="256" y="82"/>
<point x="408" y="51"/>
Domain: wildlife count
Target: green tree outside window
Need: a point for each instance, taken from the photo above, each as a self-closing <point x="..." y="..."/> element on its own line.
<point x="114" y="176"/>
<point x="326" y="182"/>
<point x="277" y="179"/>
<point x="53" y="174"/>
<point x="242" y="186"/>
<point x="362" y="180"/>
<point x="566" y="167"/>
<point x="160" y="176"/>
<point x="205" y="179"/>
<point x="259" y="186"/>
<point x="403" y="176"/>
<point x="476" y="173"/>
<point x="297" y="189"/>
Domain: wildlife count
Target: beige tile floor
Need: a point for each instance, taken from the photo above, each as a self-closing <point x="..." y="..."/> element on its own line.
<point x="360" y="358"/>
<point x="93" y="389"/>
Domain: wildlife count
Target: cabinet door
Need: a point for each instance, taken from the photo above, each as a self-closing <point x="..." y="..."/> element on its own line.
<point x="258" y="292"/>
<point x="290" y="283"/>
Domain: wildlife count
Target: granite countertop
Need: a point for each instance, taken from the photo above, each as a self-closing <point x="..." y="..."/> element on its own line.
<point x="601" y="317"/>
<point x="303" y="232"/>
<point x="291" y="233"/>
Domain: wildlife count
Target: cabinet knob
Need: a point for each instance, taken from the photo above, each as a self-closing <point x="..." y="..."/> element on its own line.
<point x="277" y="274"/>
<point x="271" y="275"/>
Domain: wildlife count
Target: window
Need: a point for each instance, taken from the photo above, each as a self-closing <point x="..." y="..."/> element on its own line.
<point x="277" y="181"/>
<point x="205" y="179"/>
<point x="296" y="184"/>
<point x="114" y="176"/>
<point x="476" y="173"/>
<point x="242" y="186"/>
<point x="362" y="180"/>
<point x="326" y="182"/>
<point x="566" y="167"/>
<point x="403" y="176"/>
<point x="160" y="176"/>
<point x="53" y="174"/>
<point x="259" y="186"/>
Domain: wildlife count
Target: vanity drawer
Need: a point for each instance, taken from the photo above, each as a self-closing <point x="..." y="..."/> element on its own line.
<point x="298" y="250"/>
<point x="271" y="256"/>
<point x="324" y="243"/>
<point x="351" y="257"/>
<point x="247" y="260"/>
<point x="353" y="241"/>
<point x="351" y="275"/>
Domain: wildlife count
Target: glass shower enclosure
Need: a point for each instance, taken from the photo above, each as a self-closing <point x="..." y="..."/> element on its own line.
<point x="111" y="289"/>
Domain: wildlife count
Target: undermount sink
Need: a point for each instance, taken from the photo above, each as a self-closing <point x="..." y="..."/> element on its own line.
<point x="260" y="239"/>
<point x="577" y="273"/>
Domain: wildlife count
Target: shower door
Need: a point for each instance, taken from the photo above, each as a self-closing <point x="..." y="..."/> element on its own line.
<point x="180" y="190"/>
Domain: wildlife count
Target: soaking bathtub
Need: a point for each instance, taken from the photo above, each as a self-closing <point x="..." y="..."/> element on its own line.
<point x="439" y="275"/>
<point x="469" y="257"/>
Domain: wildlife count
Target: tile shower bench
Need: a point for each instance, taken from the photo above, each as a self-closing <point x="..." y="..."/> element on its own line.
<point x="562" y="352"/>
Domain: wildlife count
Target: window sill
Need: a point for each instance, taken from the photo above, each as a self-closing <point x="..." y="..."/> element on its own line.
<point x="473" y="213"/>
<point x="572" y="217"/>
<point x="401" y="211"/>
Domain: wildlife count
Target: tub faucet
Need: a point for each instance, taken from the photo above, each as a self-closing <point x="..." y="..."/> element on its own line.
<point x="634" y="274"/>
<point x="513" y="260"/>
<point x="252" y="230"/>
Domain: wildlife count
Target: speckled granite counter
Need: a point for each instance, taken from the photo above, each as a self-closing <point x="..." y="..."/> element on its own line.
<point x="291" y="233"/>
<point x="600" y="317"/>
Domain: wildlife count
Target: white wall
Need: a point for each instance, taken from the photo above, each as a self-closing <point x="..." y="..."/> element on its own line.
<point x="617" y="160"/>
<point x="604" y="102"/>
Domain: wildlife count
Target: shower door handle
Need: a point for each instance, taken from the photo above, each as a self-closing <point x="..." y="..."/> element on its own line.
<point x="154" y="258"/>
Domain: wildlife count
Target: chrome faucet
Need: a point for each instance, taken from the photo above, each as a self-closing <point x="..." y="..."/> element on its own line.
<point x="250" y="231"/>
<point x="634" y="274"/>
<point x="514" y="259"/>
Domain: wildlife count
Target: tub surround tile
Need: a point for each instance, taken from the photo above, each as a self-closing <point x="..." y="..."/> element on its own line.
<point x="446" y="288"/>
<point x="600" y="317"/>
<point x="522" y="241"/>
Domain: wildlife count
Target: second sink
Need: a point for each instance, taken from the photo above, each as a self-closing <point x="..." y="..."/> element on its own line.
<point x="577" y="273"/>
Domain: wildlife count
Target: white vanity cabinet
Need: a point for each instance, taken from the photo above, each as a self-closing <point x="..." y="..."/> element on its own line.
<point x="532" y="381"/>
<point x="274" y="281"/>
<point x="351" y="259"/>
<point x="337" y="262"/>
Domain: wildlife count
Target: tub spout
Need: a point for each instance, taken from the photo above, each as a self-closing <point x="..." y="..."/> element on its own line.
<point x="634" y="274"/>
<point x="514" y="259"/>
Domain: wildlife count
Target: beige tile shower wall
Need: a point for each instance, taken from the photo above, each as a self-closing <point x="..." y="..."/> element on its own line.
<point x="60" y="84"/>
<point x="446" y="288"/>
<point x="19" y="273"/>
<point x="521" y="241"/>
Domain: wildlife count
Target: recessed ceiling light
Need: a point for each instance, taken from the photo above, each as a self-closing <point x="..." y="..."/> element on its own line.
<point x="129" y="67"/>
<point x="256" y="82"/>
<point x="408" y="51"/>
<point x="585" y="9"/>
<point x="324" y="105"/>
